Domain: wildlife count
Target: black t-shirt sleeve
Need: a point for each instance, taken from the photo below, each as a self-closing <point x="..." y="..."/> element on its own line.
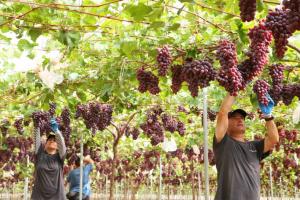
<point x="259" y="145"/>
<point x="218" y="144"/>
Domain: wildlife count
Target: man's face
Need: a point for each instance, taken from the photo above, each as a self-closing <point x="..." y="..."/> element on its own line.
<point x="51" y="144"/>
<point x="236" y="123"/>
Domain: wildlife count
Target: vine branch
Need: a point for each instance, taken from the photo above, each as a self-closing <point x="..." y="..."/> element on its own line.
<point x="18" y="16"/>
<point x="293" y="47"/>
<point x="215" y="9"/>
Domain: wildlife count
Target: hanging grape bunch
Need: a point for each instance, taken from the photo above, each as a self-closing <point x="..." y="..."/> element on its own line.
<point x="172" y="124"/>
<point x="247" y="9"/>
<point x="276" y="73"/>
<point x="261" y="88"/>
<point x="18" y="124"/>
<point x="96" y="116"/>
<point x="65" y="125"/>
<point x="164" y="60"/>
<point x="229" y="76"/>
<point x="197" y="73"/>
<point x="41" y="120"/>
<point x="147" y="81"/>
<point x="177" y="78"/>
<point x="289" y="91"/>
<point x="260" y="39"/>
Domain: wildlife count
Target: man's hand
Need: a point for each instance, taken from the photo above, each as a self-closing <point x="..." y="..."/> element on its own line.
<point x="267" y="109"/>
<point x="54" y="125"/>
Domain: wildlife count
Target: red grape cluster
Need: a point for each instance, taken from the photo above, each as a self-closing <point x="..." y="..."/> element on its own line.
<point x="147" y="81"/>
<point x="197" y="73"/>
<point x="247" y="8"/>
<point x="229" y="76"/>
<point x="260" y="38"/>
<point x="177" y="78"/>
<point x="52" y="109"/>
<point x="134" y="132"/>
<point x="153" y="128"/>
<point x="96" y="116"/>
<point x="41" y="120"/>
<point x="289" y="91"/>
<point x="261" y="89"/>
<point x="283" y="23"/>
<point x="18" y="124"/>
<point x="172" y="124"/>
<point x="276" y="73"/>
<point x="164" y="60"/>
<point x="65" y="125"/>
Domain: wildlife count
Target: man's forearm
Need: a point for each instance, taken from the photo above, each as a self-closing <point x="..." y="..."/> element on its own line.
<point x="36" y="139"/>
<point x="272" y="131"/>
<point x="60" y="144"/>
<point x="227" y="104"/>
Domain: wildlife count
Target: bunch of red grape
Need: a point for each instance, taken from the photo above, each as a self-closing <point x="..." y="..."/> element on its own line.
<point x="247" y="8"/>
<point x="147" y="81"/>
<point x="283" y="23"/>
<point x="177" y="78"/>
<point x="260" y="38"/>
<point x="229" y="76"/>
<point x="41" y="120"/>
<point x="52" y="109"/>
<point x="197" y="73"/>
<point x="132" y="131"/>
<point x="96" y="116"/>
<point x="164" y="60"/>
<point x="65" y="125"/>
<point x="18" y="124"/>
<point x="276" y="73"/>
<point x="288" y="93"/>
<point x="261" y="88"/>
<point x="153" y="128"/>
<point x="172" y="124"/>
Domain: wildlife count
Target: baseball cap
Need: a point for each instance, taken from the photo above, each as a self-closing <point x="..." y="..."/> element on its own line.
<point x="240" y="111"/>
<point x="51" y="135"/>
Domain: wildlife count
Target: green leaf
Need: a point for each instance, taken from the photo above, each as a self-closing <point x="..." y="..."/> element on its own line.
<point x="25" y="44"/>
<point x="189" y="1"/>
<point x="260" y="5"/>
<point x="34" y="33"/>
<point x="140" y="11"/>
<point x="174" y="27"/>
<point x="127" y="47"/>
<point x="157" y="24"/>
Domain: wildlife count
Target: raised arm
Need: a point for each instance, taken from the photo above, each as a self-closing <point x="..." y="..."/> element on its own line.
<point x="36" y="139"/>
<point x="222" y="117"/>
<point x="272" y="136"/>
<point x="60" y="144"/>
<point x="88" y="159"/>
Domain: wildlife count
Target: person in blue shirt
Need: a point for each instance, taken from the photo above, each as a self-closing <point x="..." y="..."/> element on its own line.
<point x="74" y="179"/>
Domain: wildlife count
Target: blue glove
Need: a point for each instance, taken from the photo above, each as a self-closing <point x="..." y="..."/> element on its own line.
<point x="54" y="125"/>
<point x="267" y="109"/>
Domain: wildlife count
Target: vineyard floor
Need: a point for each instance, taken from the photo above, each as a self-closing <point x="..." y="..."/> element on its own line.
<point x="19" y="196"/>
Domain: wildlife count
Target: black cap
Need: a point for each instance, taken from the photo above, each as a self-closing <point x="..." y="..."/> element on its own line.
<point x="240" y="111"/>
<point x="51" y="135"/>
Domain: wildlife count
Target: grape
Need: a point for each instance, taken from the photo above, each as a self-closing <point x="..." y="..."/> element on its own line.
<point x="41" y="120"/>
<point x="96" y="116"/>
<point x="288" y="93"/>
<point x="198" y="73"/>
<point x="247" y="8"/>
<point x="293" y="5"/>
<point x="177" y="78"/>
<point x="164" y="59"/>
<point x="18" y="124"/>
<point x="261" y="89"/>
<point x="276" y="73"/>
<point x="52" y="109"/>
<point x="169" y="123"/>
<point x="147" y="81"/>
<point x="229" y="76"/>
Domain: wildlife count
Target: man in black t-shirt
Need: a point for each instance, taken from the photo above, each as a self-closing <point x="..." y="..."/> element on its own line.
<point x="237" y="161"/>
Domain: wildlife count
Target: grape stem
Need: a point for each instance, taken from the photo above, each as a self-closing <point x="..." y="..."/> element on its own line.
<point x="293" y="47"/>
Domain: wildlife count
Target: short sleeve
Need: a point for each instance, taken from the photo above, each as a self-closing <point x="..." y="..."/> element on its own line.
<point x="218" y="144"/>
<point x="89" y="168"/>
<point x="259" y="145"/>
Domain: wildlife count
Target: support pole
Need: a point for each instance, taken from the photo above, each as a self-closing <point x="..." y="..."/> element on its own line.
<point x="26" y="181"/>
<point x="205" y="143"/>
<point x="271" y="181"/>
<point x="81" y="166"/>
<point x="160" y="179"/>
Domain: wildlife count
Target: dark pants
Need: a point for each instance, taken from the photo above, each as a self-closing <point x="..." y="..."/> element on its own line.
<point x="75" y="196"/>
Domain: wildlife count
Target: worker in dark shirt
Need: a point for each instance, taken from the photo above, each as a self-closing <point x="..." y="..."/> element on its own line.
<point x="48" y="175"/>
<point x="238" y="161"/>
